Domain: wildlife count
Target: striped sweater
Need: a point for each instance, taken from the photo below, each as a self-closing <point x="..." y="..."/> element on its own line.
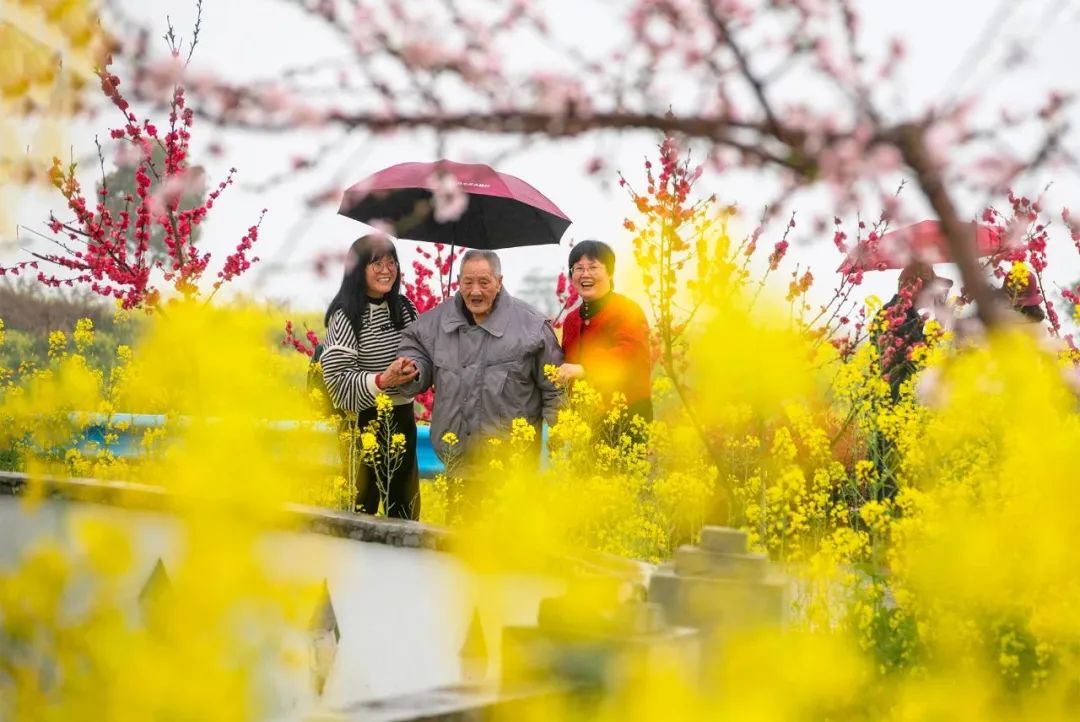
<point x="349" y="365"/>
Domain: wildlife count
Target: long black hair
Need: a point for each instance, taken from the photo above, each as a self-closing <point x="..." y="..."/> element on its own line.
<point x="352" y="298"/>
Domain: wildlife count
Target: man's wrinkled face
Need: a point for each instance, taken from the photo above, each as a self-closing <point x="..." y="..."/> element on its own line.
<point x="479" y="286"/>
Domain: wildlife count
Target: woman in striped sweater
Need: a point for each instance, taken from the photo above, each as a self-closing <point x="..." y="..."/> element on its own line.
<point x="363" y="328"/>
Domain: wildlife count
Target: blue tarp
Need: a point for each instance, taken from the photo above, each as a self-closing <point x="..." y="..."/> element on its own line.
<point x="128" y="442"/>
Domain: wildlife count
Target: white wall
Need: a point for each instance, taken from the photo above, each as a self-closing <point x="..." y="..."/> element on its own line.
<point x="402" y="612"/>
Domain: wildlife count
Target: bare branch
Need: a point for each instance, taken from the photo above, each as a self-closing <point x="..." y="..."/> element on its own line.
<point x="910" y="140"/>
<point x="756" y="84"/>
<point x="195" y="33"/>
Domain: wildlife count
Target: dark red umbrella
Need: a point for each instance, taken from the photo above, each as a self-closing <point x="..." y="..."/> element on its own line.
<point x="459" y="204"/>
<point x="924" y="241"/>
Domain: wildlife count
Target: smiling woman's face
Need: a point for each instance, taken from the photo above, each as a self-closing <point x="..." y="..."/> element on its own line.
<point x="381" y="275"/>
<point x="590" y="278"/>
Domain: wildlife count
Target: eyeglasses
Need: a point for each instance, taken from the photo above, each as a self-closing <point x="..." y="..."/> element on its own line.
<point x="593" y="269"/>
<point x="386" y="264"/>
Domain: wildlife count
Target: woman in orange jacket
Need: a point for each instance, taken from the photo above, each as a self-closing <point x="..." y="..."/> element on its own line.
<point x="606" y="337"/>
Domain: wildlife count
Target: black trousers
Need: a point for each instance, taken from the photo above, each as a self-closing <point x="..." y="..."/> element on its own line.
<point x="402" y="497"/>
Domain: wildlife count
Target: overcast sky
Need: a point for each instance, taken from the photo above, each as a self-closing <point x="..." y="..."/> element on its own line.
<point x="256" y="38"/>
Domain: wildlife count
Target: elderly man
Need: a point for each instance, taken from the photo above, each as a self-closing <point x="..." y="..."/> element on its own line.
<point x="485" y="352"/>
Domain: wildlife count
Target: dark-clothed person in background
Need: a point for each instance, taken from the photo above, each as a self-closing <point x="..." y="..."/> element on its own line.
<point x="898" y="329"/>
<point x="606" y="338"/>
<point x="364" y="325"/>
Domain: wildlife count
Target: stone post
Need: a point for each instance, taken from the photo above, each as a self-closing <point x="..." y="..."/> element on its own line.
<point x="718" y="587"/>
<point x="592" y="641"/>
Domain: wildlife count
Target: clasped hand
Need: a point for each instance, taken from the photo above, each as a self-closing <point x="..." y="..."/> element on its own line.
<point x="400" y="371"/>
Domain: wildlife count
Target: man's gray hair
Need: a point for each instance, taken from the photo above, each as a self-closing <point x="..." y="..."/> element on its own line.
<point x="490" y="256"/>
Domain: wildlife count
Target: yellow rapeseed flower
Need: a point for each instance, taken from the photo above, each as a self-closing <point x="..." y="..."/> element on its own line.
<point x="83" y="334"/>
<point x="383" y="404"/>
<point x="1017" y="279"/>
<point x="522" y="432"/>
<point x="57" y="343"/>
<point x="551" y="373"/>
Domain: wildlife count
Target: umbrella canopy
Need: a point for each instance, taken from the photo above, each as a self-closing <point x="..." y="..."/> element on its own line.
<point x="459" y="204"/>
<point x="924" y="241"/>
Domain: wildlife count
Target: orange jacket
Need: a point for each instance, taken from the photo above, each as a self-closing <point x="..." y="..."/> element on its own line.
<point x="613" y="346"/>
